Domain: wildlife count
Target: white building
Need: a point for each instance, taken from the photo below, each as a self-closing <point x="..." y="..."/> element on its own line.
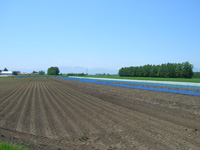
<point x="6" y="73"/>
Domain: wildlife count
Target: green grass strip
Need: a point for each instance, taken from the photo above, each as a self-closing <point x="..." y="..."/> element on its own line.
<point x="194" y="80"/>
<point x="8" y="146"/>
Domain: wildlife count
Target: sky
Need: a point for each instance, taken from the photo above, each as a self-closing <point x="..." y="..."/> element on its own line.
<point x="98" y="35"/>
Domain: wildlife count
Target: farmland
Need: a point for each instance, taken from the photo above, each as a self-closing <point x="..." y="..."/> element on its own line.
<point x="50" y="113"/>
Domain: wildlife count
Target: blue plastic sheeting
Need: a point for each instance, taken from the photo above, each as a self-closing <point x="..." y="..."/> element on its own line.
<point x="20" y="77"/>
<point x="56" y="77"/>
<point x="44" y="77"/>
<point x="151" y="84"/>
<point x="159" y="89"/>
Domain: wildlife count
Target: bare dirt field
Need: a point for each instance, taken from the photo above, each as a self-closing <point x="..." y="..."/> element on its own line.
<point x="58" y="114"/>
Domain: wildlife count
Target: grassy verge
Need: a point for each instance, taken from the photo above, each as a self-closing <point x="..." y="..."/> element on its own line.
<point x="6" y="76"/>
<point x="8" y="146"/>
<point x="195" y="80"/>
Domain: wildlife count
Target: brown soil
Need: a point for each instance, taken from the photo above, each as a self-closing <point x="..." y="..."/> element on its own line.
<point x="53" y="114"/>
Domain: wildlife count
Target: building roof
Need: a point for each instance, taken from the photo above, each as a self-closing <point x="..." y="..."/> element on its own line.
<point x="22" y="73"/>
<point x="6" y="71"/>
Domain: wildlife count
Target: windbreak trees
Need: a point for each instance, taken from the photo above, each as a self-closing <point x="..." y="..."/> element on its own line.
<point x="169" y="70"/>
<point x="196" y="75"/>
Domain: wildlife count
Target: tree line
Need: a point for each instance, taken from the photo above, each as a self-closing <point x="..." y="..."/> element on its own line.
<point x="196" y="75"/>
<point x="168" y="70"/>
<point x="76" y="74"/>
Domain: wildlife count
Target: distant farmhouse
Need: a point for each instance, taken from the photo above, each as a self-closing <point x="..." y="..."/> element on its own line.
<point x="5" y="73"/>
<point x="36" y="73"/>
<point x="22" y="73"/>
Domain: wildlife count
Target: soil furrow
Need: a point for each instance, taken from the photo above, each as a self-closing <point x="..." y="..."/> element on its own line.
<point x="39" y="121"/>
<point x="77" y="112"/>
<point x="44" y="115"/>
<point x="16" y="93"/>
<point x="23" y="123"/>
<point x="14" y="110"/>
<point x="32" y="109"/>
<point x="58" y="125"/>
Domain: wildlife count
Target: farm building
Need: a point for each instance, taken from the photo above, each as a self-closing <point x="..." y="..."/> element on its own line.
<point x="34" y="73"/>
<point x="22" y="74"/>
<point x="6" y="73"/>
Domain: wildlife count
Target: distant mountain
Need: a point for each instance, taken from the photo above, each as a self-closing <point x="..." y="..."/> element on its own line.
<point x="77" y="69"/>
<point x="71" y="69"/>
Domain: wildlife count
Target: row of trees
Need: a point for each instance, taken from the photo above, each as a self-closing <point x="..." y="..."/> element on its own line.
<point x="196" y="75"/>
<point x="170" y="70"/>
<point x="50" y="71"/>
<point x="41" y="72"/>
<point x="76" y="74"/>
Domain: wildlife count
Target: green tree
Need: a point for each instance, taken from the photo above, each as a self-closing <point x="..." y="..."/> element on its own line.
<point x="162" y="71"/>
<point x="196" y="75"/>
<point x="147" y="70"/>
<point x="41" y="72"/>
<point x="179" y="70"/>
<point x="15" y="73"/>
<point x="154" y="71"/>
<point x="53" y="71"/>
<point x="5" y="69"/>
<point x="171" y="70"/>
<point x="187" y="70"/>
<point x="34" y="71"/>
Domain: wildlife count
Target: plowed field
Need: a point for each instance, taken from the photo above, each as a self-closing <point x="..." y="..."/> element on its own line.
<point x="57" y="114"/>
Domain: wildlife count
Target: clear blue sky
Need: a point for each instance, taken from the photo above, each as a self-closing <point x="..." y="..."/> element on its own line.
<point x="104" y="34"/>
